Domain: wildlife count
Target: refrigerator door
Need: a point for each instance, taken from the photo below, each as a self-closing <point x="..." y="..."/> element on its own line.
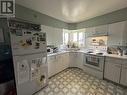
<point x="30" y="73"/>
<point x="26" y="41"/>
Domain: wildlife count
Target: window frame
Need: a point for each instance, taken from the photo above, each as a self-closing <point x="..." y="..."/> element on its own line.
<point x="70" y="37"/>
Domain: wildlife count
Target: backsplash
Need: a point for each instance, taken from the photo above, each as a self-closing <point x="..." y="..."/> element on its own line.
<point x="97" y="49"/>
<point x="96" y="41"/>
<point x="99" y="41"/>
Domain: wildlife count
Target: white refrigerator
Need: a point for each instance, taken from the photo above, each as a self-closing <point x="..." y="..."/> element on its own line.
<point x="29" y="51"/>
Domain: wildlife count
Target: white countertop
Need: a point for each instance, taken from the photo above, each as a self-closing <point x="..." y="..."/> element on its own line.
<point x="81" y="51"/>
<point x="60" y="52"/>
<point x="116" y="56"/>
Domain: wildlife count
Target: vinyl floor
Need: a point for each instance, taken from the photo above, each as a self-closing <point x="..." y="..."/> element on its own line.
<point x="74" y="81"/>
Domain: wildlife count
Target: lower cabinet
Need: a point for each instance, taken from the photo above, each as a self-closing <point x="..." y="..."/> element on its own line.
<point x="116" y="70"/>
<point x="65" y="60"/>
<point x="73" y="59"/>
<point x="80" y="60"/>
<point x="57" y="63"/>
<point x="51" y="65"/>
<point x="123" y="80"/>
<point x="76" y="59"/>
<point x="112" y="71"/>
<point x="62" y="62"/>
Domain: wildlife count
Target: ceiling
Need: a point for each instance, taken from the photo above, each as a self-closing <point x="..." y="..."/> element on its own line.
<point x="72" y="11"/>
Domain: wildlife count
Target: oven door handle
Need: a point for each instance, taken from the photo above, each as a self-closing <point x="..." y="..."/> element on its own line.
<point x="86" y="60"/>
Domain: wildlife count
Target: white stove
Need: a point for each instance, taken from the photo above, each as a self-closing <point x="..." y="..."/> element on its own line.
<point x="94" y="63"/>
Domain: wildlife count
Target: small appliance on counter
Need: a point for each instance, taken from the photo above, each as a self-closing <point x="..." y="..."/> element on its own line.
<point x="29" y="52"/>
<point x="49" y="50"/>
<point x="52" y="49"/>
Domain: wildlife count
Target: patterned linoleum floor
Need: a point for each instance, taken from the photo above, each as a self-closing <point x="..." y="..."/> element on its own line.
<point x="74" y="81"/>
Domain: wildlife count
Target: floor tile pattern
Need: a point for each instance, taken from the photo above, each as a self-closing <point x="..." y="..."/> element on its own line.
<point x="74" y="81"/>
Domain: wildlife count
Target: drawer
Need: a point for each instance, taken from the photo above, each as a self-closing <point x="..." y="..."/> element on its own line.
<point x="124" y="62"/>
<point x="113" y="60"/>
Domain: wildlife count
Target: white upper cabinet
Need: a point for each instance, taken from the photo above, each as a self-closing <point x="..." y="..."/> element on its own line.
<point x="54" y="36"/>
<point x="117" y="34"/>
<point x="97" y="31"/>
<point x="101" y="30"/>
<point x="125" y="34"/>
<point x="90" y="31"/>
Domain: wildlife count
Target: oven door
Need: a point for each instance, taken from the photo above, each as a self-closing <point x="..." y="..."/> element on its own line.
<point x="94" y="61"/>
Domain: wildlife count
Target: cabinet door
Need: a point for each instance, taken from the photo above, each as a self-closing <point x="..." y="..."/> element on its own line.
<point x="101" y="30"/>
<point x="59" y="64"/>
<point x="73" y="59"/>
<point x="112" y="70"/>
<point x="65" y="60"/>
<point x="76" y="59"/>
<point x="79" y="60"/>
<point x="125" y="34"/>
<point x="90" y="31"/>
<point x="123" y="80"/>
<point x="54" y="35"/>
<point x="62" y="62"/>
<point x="115" y="35"/>
<point x="58" y="36"/>
<point x="51" y="65"/>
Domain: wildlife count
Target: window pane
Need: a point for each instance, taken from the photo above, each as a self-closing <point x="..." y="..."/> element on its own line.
<point x="66" y="38"/>
<point x="75" y="36"/>
<point x="80" y="37"/>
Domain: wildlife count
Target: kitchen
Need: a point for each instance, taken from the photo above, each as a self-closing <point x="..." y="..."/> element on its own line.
<point x="64" y="52"/>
